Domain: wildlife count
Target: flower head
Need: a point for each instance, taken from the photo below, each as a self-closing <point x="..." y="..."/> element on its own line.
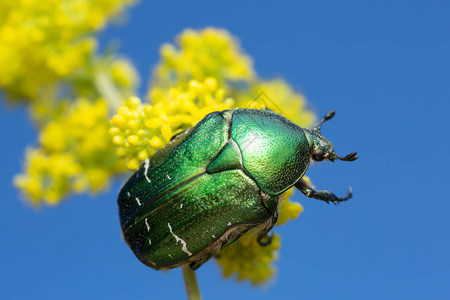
<point x="247" y="260"/>
<point x="141" y="129"/>
<point x="75" y="155"/>
<point x="44" y="41"/>
<point x="277" y="96"/>
<point x="200" y="54"/>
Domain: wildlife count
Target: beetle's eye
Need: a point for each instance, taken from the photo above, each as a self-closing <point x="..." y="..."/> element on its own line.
<point x="318" y="156"/>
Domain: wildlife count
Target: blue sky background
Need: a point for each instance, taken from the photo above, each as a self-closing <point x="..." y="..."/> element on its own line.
<point x="382" y="65"/>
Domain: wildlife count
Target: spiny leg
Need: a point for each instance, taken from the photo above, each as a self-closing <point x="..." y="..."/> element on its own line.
<point x="326" y="196"/>
<point x="264" y="238"/>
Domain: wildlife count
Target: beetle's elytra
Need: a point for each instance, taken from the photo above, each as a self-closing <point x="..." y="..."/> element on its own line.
<point x="215" y="181"/>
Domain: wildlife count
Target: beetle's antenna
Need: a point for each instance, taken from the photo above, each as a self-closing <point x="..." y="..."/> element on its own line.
<point x="349" y="157"/>
<point x="328" y="116"/>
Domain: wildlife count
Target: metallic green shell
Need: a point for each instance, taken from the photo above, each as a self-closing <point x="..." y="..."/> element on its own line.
<point x="275" y="151"/>
<point x="184" y="203"/>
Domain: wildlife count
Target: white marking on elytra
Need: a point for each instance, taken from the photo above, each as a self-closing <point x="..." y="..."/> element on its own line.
<point x="229" y="223"/>
<point x="138" y="202"/>
<point x="184" y="248"/>
<point x="148" y="226"/>
<point x="146" y="166"/>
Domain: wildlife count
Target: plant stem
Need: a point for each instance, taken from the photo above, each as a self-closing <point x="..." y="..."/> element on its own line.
<point x="108" y="90"/>
<point x="190" y="282"/>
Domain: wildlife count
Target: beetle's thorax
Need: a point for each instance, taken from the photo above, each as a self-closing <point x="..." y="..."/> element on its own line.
<point x="274" y="150"/>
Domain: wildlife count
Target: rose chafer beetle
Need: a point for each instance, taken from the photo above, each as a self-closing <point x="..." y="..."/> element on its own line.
<point x="215" y="181"/>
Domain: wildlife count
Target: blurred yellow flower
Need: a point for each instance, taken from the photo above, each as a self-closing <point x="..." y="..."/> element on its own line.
<point x="247" y="260"/>
<point x="210" y="52"/>
<point x="215" y="53"/>
<point x="279" y="97"/>
<point x="75" y="155"/>
<point x="44" y="41"/>
<point x="48" y="178"/>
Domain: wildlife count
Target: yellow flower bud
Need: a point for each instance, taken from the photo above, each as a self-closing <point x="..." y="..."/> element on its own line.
<point x="133" y="102"/>
<point x="219" y="94"/>
<point x="142" y="155"/>
<point x="123" y="111"/>
<point x="194" y="84"/>
<point x="114" y="131"/>
<point x="133" y="140"/>
<point x="118" y="121"/>
<point x="211" y="83"/>
<point x="156" y="142"/>
<point x="133" y="164"/>
<point x="118" y="140"/>
<point x="148" y="109"/>
<point x="133" y="125"/>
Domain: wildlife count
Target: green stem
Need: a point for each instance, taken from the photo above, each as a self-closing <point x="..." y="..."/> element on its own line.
<point x="108" y="90"/>
<point x="190" y="282"/>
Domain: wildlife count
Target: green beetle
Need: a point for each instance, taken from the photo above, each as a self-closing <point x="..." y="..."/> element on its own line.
<point x="215" y="181"/>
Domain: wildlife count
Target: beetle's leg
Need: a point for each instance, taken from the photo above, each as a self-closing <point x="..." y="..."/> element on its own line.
<point x="264" y="238"/>
<point x="326" y="196"/>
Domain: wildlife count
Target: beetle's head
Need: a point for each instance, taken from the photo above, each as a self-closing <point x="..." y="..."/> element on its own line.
<point x="323" y="148"/>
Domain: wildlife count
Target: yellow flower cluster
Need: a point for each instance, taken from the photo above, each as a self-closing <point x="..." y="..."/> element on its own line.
<point x="141" y="129"/>
<point x="279" y="97"/>
<point x="201" y="54"/>
<point x="114" y="79"/>
<point x="216" y="53"/>
<point x="48" y="177"/>
<point x="44" y="41"/>
<point x="76" y="155"/>
<point x="288" y="210"/>
<point x="247" y="260"/>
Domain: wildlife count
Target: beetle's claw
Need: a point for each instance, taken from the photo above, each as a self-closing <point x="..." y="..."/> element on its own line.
<point x="349" y="195"/>
<point x="349" y="157"/>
